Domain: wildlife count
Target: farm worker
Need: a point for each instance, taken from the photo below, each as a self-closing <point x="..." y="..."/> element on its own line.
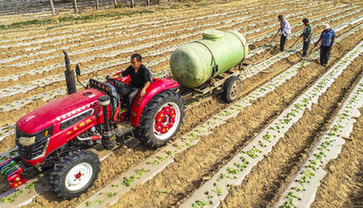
<point x="307" y="33"/>
<point x="284" y="30"/>
<point x="327" y="38"/>
<point x="141" y="77"/>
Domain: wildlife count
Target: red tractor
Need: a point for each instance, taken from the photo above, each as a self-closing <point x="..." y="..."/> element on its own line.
<point x="59" y="135"/>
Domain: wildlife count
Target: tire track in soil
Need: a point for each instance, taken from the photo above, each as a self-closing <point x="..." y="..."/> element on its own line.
<point x="266" y="182"/>
<point x="197" y="164"/>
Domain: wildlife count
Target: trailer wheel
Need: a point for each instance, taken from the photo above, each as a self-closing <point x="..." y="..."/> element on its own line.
<point x="74" y="174"/>
<point x="161" y="119"/>
<point x="231" y="89"/>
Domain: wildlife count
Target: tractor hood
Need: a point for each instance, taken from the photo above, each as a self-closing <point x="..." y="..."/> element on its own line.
<point x="58" y="110"/>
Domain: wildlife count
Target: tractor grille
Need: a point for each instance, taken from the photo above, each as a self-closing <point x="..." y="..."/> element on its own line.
<point x="32" y="151"/>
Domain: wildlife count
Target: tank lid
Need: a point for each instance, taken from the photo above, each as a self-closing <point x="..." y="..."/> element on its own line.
<point x="212" y="34"/>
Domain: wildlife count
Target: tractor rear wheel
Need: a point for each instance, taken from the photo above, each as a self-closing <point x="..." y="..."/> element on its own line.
<point x="161" y="119"/>
<point x="74" y="174"/>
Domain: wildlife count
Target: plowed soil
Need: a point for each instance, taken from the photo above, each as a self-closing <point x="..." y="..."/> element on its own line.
<point x="343" y="185"/>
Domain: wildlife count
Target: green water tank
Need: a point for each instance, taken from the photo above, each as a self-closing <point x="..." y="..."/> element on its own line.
<point x="192" y="64"/>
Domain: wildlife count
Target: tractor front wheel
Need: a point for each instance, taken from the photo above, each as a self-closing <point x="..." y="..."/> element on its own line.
<point x="74" y="174"/>
<point x="161" y="119"/>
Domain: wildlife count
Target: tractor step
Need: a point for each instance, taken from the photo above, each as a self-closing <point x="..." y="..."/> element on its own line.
<point x="123" y="129"/>
<point x="11" y="171"/>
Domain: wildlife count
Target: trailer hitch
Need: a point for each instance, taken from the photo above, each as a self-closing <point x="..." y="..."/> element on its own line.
<point x="11" y="171"/>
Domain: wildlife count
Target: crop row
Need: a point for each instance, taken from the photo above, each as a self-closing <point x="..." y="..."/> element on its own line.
<point x="46" y="81"/>
<point x="157" y="161"/>
<point x="148" y="22"/>
<point x="131" y="178"/>
<point x="233" y="173"/>
<point x="9" y="129"/>
<point x="128" y="35"/>
<point x="144" y="25"/>
<point x="302" y="189"/>
<point x="121" y="44"/>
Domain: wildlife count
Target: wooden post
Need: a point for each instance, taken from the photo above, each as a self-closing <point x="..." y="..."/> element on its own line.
<point x="52" y="7"/>
<point x="147" y="2"/>
<point x="132" y="3"/>
<point x="97" y="4"/>
<point x="75" y="6"/>
<point x="115" y="3"/>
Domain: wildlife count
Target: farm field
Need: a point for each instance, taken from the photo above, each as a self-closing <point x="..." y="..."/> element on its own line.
<point x="293" y="138"/>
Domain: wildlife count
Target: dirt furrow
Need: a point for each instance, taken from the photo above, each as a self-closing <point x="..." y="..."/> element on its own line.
<point x="267" y="181"/>
<point x="93" y="51"/>
<point x="196" y="165"/>
<point x="343" y="185"/>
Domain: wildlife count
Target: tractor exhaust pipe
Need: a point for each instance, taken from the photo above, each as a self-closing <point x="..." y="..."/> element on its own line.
<point x="108" y="139"/>
<point x="69" y="74"/>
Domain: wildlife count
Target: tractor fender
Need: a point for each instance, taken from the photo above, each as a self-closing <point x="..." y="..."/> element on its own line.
<point x="157" y="86"/>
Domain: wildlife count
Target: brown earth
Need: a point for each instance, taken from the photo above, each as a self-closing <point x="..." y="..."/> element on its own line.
<point x="200" y="162"/>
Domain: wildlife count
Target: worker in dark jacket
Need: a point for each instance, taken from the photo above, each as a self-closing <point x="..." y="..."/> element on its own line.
<point x="141" y="77"/>
<point x="284" y="30"/>
<point x="327" y="38"/>
<point x="306" y="35"/>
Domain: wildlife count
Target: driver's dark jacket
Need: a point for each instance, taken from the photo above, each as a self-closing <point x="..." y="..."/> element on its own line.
<point x="138" y="79"/>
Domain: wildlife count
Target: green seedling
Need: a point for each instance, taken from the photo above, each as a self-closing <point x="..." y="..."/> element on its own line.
<point x="98" y="201"/>
<point x="219" y="191"/>
<point x="199" y="204"/>
<point x="252" y="153"/>
<point x="111" y="194"/>
<point x="261" y="144"/>
<point x="115" y="185"/>
<point x="161" y="158"/>
<point x="88" y="203"/>
<point x="311" y="166"/>
<point x="296" y="189"/>
<point x="320" y="156"/>
<point x="127" y="181"/>
<point x="231" y="170"/>
<point x="307" y="173"/>
<point x="302" y="180"/>
<point x="155" y="162"/>
<point x="293" y="195"/>
<point x="230" y="187"/>
<point x="30" y="186"/>
<point x="267" y="136"/>
<point x="240" y="166"/>
<point x="169" y="153"/>
<point x="11" y="198"/>
<point x="160" y="192"/>
<point x="141" y="172"/>
<point x="244" y="160"/>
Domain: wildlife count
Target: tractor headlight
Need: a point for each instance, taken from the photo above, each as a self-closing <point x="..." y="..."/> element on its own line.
<point x="26" y="141"/>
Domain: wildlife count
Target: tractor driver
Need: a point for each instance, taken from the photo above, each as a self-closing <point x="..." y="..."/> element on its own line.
<point x="141" y="77"/>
